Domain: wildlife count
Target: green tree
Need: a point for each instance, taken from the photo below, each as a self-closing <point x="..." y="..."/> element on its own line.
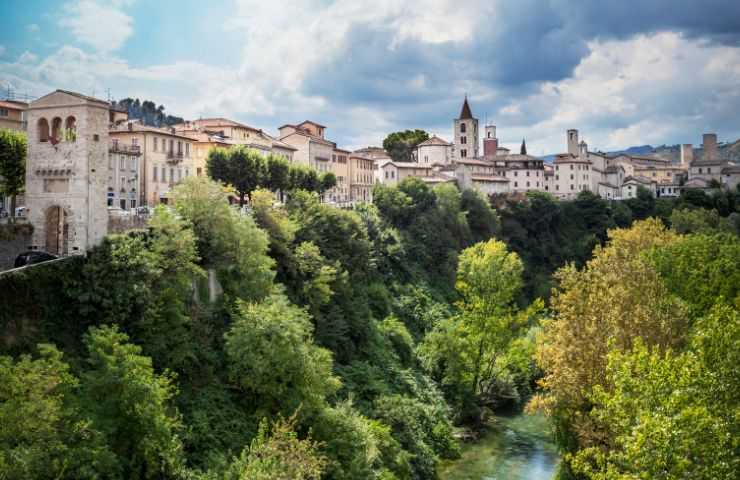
<point x="131" y="405"/>
<point x="483" y="221"/>
<point x="277" y="178"/>
<point x="228" y="241"/>
<point x="43" y="433"/>
<point x="328" y="181"/>
<point x="273" y="360"/>
<point x="401" y="145"/>
<point x="244" y="169"/>
<point x="276" y="453"/>
<point x="13" y="147"/>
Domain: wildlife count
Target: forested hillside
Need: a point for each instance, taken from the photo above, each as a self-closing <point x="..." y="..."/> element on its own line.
<point x="302" y="341"/>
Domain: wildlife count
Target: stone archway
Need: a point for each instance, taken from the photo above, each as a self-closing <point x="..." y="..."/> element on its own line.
<point x="57" y="230"/>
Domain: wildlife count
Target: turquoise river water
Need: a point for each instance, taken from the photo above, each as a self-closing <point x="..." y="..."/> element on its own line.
<point x="516" y="447"/>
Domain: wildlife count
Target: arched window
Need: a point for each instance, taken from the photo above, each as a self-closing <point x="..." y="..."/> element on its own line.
<point x="70" y="129"/>
<point x="43" y="130"/>
<point x="462" y="128"/>
<point x="56" y="127"/>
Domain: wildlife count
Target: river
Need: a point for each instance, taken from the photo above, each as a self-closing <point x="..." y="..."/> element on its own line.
<point x="516" y="447"/>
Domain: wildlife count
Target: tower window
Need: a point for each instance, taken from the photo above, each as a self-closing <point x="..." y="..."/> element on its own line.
<point x="463" y="140"/>
<point x="462" y="128"/>
<point x="56" y="127"/>
<point x="43" y="127"/>
<point x="463" y="153"/>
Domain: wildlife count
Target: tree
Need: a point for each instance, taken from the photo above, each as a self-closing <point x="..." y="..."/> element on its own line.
<point x="13" y="148"/>
<point x="273" y="360"/>
<point x="483" y="220"/>
<point x="463" y="351"/>
<point x="328" y="181"/>
<point x="401" y="145"/>
<point x="131" y="405"/>
<point x="228" y="241"/>
<point x="277" y="178"/>
<point x="617" y="299"/>
<point x="671" y="415"/>
<point x="242" y="168"/>
<point x="643" y="205"/>
<point x="43" y="432"/>
<point x="276" y="453"/>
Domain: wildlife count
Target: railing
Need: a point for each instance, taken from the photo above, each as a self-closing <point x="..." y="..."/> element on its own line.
<point x="174" y="157"/>
<point x="122" y="148"/>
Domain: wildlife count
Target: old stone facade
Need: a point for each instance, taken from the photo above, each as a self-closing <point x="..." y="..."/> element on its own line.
<point x="67" y="172"/>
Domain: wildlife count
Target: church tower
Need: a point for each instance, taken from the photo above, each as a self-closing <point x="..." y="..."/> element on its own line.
<point x="466" y="133"/>
<point x="67" y="172"/>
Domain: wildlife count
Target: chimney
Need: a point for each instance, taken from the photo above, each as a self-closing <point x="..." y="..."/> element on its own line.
<point x="572" y="138"/>
<point x="710" y="146"/>
<point x="687" y="155"/>
<point x="172" y="130"/>
<point x="130" y="126"/>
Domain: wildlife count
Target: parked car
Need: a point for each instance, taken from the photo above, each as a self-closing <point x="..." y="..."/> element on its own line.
<point x="30" y="258"/>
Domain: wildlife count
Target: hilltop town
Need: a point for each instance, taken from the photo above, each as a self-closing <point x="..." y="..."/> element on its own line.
<point x="88" y="162"/>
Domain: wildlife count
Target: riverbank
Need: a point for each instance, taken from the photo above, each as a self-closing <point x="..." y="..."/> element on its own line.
<point x="514" y="447"/>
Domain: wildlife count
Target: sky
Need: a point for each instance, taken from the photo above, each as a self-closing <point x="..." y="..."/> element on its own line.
<point x="628" y="72"/>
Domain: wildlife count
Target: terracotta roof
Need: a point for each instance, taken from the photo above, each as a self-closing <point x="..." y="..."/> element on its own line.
<point x="472" y="161"/>
<point x="409" y="165"/>
<point x="639" y="179"/>
<point x="434" y="140"/>
<point x="13" y="104"/>
<point x="141" y="128"/>
<point x="341" y="150"/>
<point x="222" y="122"/>
<point x="312" y="123"/>
<point x="568" y="158"/>
<point x="518" y="157"/>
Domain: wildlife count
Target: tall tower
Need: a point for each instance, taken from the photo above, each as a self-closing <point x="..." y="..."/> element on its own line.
<point x="490" y="142"/>
<point x="573" y="142"/>
<point x="67" y="170"/>
<point x="709" y="144"/>
<point x="687" y="155"/>
<point x="466" y="133"/>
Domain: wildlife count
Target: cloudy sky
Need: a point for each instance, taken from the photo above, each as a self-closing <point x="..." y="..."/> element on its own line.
<point x="626" y="72"/>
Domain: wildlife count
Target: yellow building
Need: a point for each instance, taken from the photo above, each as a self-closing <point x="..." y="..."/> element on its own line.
<point x="166" y="158"/>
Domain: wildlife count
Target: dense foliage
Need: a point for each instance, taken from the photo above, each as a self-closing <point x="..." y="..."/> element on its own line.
<point x="304" y="341"/>
<point x="401" y="145"/>
<point x="148" y="112"/>
<point x="13" y="147"/>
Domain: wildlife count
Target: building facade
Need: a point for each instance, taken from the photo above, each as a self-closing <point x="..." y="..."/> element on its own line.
<point x="361" y="171"/>
<point x="67" y="172"/>
<point x="311" y="147"/>
<point x="166" y="158"/>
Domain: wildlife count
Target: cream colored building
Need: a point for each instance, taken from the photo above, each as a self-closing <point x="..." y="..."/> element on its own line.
<point x="311" y="148"/>
<point x="434" y="151"/>
<point x="392" y="173"/>
<point x="124" y="175"/>
<point x="361" y="172"/>
<point x="340" y="166"/>
<point x="166" y="158"/>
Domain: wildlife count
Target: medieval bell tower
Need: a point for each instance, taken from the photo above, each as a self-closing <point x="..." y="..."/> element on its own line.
<point x="466" y="133"/>
<point x="66" y="173"/>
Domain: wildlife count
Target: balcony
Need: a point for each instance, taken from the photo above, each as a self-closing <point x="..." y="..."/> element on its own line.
<point x="174" y="157"/>
<point x="116" y="147"/>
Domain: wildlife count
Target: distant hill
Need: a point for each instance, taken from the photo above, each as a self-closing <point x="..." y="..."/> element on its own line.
<point x="148" y="112"/>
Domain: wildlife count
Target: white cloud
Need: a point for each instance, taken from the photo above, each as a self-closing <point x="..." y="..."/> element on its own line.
<point x="33" y="28"/>
<point x="2" y="50"/>
<point x="104" y="27"/>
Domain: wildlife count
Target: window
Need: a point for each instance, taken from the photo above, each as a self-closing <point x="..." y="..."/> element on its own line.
<point x="516" y="184"/>
<point x="527" y="184"/>
<point x="179" y="174"/>
<point x="112" y="161"/>
<point x="43" y="127"/>
<point x="123" y="204"/>
<point x="463" y="140"/>
<point x="462" y="128"/>
<point x="557" y="177"/>
<point x="110" y="202"/>
<point x="571" y="187"/>
<point x="516" y="173"/>
<point x="199" y="172"/>
<point x="3" y="112"/>
<point x="122" y="162"/>
<point x="571" y="166"/>
<point x="709" y="169"/>
<point x="172" y="175"/>
<point x="56" y="127"/>
<point x="179" y="148"/>
<point x="571" y="176"/>
<point x="557" y="187"/>
<point x="154" y="175"/>
<point x="699" y="169"/>
<point x="172" y="146"/>
<point x="527" y="172"/>
<point x="463" y="153"/>
<point x="133" y="203"/>
<point x="70" y="126"/>
<point x="557" y="167"/>
<point x="156" y="144"/>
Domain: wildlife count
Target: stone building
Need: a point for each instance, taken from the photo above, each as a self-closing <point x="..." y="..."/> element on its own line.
<point x="67" y="172"/>
<point x="12" y="114"/>
<point x="434" y="151"/>
<point x="465" y="134"/>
